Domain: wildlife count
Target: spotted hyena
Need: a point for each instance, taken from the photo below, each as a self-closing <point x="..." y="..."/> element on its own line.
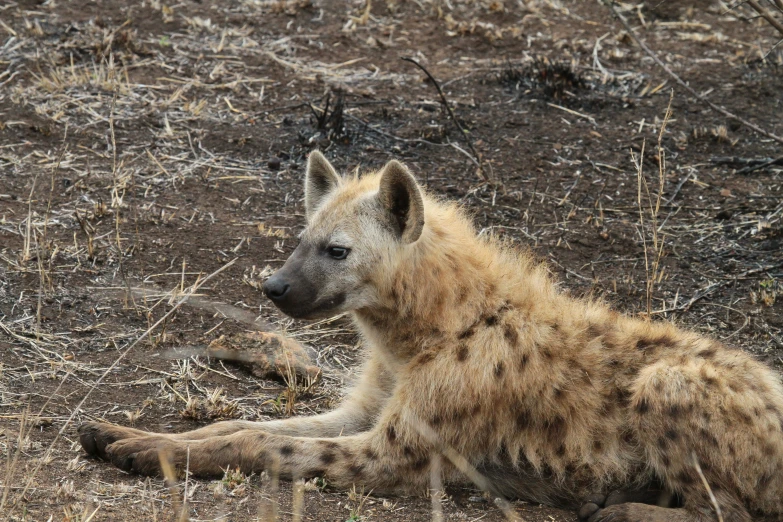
<point x="473" y="351"/>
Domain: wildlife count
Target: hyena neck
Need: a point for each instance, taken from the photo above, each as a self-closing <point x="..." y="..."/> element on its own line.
<point x="444" y="282"/>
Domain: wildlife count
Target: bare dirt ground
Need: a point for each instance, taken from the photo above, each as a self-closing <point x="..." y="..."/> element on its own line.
<point x="148" y="144"/>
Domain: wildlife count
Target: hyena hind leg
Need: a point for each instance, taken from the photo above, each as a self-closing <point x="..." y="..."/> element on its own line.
<point x="703" y="421"/>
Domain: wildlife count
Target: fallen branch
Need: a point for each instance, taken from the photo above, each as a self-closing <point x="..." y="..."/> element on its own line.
<point x="751" y="164"/>
<point x="462" y="131"/>
<point x="682" y="83"/>
<point x="766" y="15"/>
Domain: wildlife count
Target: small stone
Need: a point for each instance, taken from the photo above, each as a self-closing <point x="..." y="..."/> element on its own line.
<point x="274" y="163"/>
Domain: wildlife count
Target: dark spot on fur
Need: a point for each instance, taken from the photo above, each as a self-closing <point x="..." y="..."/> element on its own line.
<point x="735" y="387"/>
<point x="665" y="460"/>
<point x="556" y="428"/>
<point x="687" y="478"/>
<point x="462" y="352"/>
<point x="370" y="454"/>
<point x="331" y="445"/>
<point x="769" y="450"/>
<point x="407" y="451"/>
<point x="499" y="370"/>
<point x="662" y="443"/>
<point x="420" y="463"/>
<point x="594" y="331"/>
<point x="463" y="295"/>
<point x="523" y="361"/>
<point x="356" y="469"/>
<point x="642" y="406"/>
<point x="675" y="410"/>
<point x="425" y="357"/>
<point x="523" y="419"/>
<point x="598" y="446"/>
<point x="643" y="344"/>
<point x="327" y="457"/>
<point x="621" y="396"/>
<point x="467" y="333"/>
<point x="391" y="433"/>
<point x="706" y="354"/>
<point x="511" y="335"/>
<point x="436" y="420"/>
<point x="286" y="450"/>
<point x="671" y="434"/>
<point x="555" y="326"/>
<point x="476" y="409"/>
<point x="492" y="320"/>
<point x="765" y="480"/>
<point x="745" y="418"/>
<point x="546" y="353"/>
<point x="557" y="392"/>
<point x="708" y="436"/>
<point x="560" y="451"/>
<point x="318" y="472"/>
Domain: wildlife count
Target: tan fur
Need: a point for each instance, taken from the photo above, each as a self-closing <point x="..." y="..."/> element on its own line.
<point x="551" y="397"/>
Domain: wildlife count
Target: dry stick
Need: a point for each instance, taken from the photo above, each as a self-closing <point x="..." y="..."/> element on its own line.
<point x="706" y="484"/>
<point x="774" y="22"/>
<point x="436" y="488"/>
<point x="462" y="131"/>
<point x="684" y="85"/>
<point x="749" y="169"/>
<point x="466" y="468"/>
<point x="192" y="290"/>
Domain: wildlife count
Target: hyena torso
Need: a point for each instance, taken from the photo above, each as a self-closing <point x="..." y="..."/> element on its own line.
<point x="474" y="352"/>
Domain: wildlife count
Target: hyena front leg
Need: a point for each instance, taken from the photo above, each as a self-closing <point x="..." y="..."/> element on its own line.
<point x="387" y="459"/>
<point x="356" y="414"/>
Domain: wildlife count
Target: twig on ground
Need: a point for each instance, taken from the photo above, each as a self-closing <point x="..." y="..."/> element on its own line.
<point x="751" y="168"/>
<point x="462" y="131"/>
<point x="682" y="83"/>
<point x="766" y="15"/>
<point x="751" y="164"/>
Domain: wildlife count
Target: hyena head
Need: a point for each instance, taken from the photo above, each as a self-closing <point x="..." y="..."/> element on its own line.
<point x="356" y="231"/>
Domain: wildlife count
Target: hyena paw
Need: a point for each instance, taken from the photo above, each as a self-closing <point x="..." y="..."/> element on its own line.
<point x="591" y="506"/>
<point x="96" y="436"/>
<point x="634" y="512"/>
<point x="145" y="456"/>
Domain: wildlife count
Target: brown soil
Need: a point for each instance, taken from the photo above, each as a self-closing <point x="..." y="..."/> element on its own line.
<point x="148" y="145"/>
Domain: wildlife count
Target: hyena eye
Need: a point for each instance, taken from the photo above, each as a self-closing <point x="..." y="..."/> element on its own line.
<point x="337" y="252"/>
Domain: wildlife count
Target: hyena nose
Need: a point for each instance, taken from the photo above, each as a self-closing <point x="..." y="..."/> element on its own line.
<point x="275" y="289"/>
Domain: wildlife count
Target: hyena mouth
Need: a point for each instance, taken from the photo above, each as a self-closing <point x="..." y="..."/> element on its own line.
<point x="309" y="308"/>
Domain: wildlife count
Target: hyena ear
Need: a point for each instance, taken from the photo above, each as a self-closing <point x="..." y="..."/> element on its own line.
<point x="320" y="180"/>
<point x="400" y="197"/>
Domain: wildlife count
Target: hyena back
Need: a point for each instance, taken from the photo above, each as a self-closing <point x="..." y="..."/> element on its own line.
<point x="473" y="349"/>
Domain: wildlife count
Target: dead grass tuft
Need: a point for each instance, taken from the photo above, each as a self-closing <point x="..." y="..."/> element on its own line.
<point x="214" y="406"/>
